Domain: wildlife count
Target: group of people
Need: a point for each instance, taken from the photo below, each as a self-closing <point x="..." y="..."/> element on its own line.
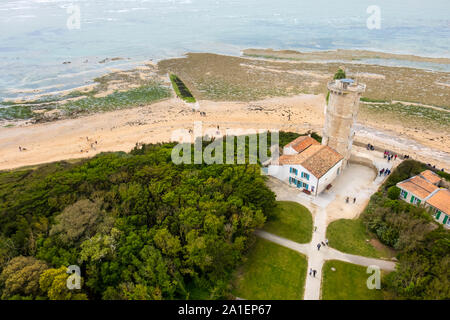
<point x="312" y="272"/>
<point x="320" y="244"/>
<point x="389" y="155"/>
<point x="385" y="172"/>
<point x="347" y="200"/>
<point x="434" y="167"/>
<point x="93" y="144"/>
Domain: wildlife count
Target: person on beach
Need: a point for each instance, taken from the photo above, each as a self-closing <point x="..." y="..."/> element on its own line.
<point x="346" y="200"/>
<point x="20" y="148"/>
<point x="354" y="200"/>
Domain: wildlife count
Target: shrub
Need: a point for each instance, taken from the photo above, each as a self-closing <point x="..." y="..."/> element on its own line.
<point x="393" y="193"/>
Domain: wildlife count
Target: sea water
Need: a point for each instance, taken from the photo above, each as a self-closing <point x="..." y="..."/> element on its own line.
<point x="38" y="36"/>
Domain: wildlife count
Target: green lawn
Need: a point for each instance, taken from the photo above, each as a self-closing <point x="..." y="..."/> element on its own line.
<point x="350" y="236"/>
<point x="291" y="221"/>
<point x="348" y="282"/>
<point x="271" y="272"/>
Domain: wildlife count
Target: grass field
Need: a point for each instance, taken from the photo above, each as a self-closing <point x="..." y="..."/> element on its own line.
<point x="291" y="221"/>
<point x="350" y="236"/>
<point x="270" y="272"/>
<point x="347" y="282"/>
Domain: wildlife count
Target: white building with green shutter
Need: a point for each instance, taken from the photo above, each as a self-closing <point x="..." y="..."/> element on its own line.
<point x="418" y="190"/>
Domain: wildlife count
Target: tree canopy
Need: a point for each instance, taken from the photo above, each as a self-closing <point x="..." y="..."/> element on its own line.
<point x="138" y="226"/>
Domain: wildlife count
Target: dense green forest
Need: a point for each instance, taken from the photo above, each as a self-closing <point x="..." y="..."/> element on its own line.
<point x="139" y="226"/>
<point x="423" y="270"/>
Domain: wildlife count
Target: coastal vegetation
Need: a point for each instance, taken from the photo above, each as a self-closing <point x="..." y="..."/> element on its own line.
<point x="88" y="103"/>
<point x="415" y="115"/>
<point x="139" y="226"/>
<point x="423" y="245"/>
<point x="270" y="272"/>
<point x="181" y="89"/>
<point x="117" y="100"/>
<point x="340" y="74"/>
<point x="227" y="78"/>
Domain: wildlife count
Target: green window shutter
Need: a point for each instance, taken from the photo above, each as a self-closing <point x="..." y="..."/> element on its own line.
<point x="445" y="219"/>
<point x="438" y="215"/>
<point x="418" y="201"/>
<point x="412" y="199"/>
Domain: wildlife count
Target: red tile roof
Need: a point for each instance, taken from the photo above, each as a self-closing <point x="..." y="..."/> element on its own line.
<point x="302" y="143"/>
<point x="317" y="159"/>
<point x="441" y="200"/>
<point x="430" y="176"/>
<point x="418" y="186"/>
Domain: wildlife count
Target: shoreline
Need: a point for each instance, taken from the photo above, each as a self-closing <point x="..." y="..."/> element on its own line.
<point x="120" y="130"/>
<point x="321" y="56"/>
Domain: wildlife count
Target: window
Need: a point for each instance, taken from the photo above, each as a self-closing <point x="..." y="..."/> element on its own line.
<point x="404" y="194"/>
<point x="445" y="221"/>
<point x="305" y="186"/>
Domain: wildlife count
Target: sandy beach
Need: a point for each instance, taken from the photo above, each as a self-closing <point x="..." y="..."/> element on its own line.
<point x="121" y="130"/>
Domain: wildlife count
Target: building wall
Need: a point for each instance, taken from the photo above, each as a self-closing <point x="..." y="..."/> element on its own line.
<point x="329" y="177"/>
<point x="409" y="195"/>
<point x="440" y="216"/>
<point x="340" y="116"/>
<point x="283" y="173"/>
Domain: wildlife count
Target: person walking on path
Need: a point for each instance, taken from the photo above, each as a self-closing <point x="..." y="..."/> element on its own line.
<point x="346" y="200"/>
<point x="318" y="247"/>
<point x="314" y="273"/>
<point x="326" y="241"/>
<point x="354" y="200"/>
<point x="310" y="271"/>
<point x="323" y="243"/>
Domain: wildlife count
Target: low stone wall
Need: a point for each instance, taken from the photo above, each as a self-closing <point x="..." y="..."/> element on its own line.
<point x="364" y="162"/>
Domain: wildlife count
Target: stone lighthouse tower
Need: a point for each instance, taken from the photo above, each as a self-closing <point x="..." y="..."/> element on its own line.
<point x="340" y="115"/>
